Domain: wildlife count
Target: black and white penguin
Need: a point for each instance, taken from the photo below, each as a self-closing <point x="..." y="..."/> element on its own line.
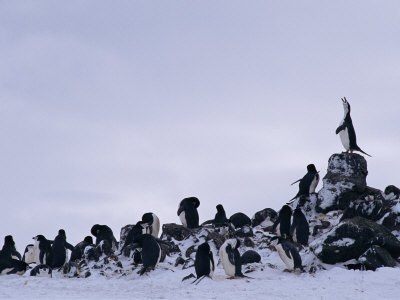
<point x="346" y="131"/>
<point x="300" y="229"/>
<point x="12" y="266"/>
<point x="230" y="258"/>
<point x="308" y="183"/>
<point x="59" y="249"/>
<point x="42" y="271"/>
<point x="204" y="262"/>
<point x="42" y="250"/>
<point x="29" y="254"/>
<point x="79" y="249"/>
<point x="151" y="224"/>
<point x="239" y="220"/>
<point x="220" y="217"/>
<point x="187" y="212"/>
<point x="9" y="249"/>
<point x="282" y="224"/>
<point x="287" y="252"/>
<point x="151" y="251"/>
<point x="104" y="233"/>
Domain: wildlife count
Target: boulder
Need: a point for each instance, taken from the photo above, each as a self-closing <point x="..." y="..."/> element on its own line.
<point x="344" y="181"/>
<point x="249" y="257"/>
<point x="351" y="238"/>
<point x="376" y="257"/>
<point x="124" y="233"/>
<point x="239" y="220"/>
<point x="175" y="231"/>
<point x="266" y="217"/>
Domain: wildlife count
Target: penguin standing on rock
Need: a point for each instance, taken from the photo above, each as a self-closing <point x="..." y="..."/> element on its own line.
<point x="151" y="224"/>
<point x="346" y="131"/>
<point x="79" y="249"/>
<point x="204" y="262"/>
<point x="300" y="230"/>
<point x="282" y="224"/>
<point x="220" y="217"/>
<point x="104" y="233"/>
<point x="308" y="183"/>
<point x="288" y="253"/>
<point x="187" y="212"/>
<point x="230" y="258"/>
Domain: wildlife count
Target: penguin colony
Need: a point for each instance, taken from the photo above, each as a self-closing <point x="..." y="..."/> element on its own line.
<point x="291" y="229"/>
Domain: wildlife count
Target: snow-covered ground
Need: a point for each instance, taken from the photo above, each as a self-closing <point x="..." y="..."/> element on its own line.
<point x="163" y="283"/>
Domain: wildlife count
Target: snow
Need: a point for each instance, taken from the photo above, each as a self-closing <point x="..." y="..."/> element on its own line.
<point x="336" y="283"/>
<point x="343" y="242"/>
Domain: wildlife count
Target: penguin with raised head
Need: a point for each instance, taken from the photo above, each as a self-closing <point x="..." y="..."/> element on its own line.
<point x="187" y="212"/>
<point x="300" y="229"/>
<point x="151" y="251"/>
<point x="230" y="258"/>
<point x="104" y="233"/>
<point x="282" y="224"/>
<point x="41" y="271"/>
<point x="288" y="253"/>
<point x="79" y="248"/>
<point x="308" y="183"/>
<point x="151" y="224"/>
<point x="220" y="217"/>
<point x="204" y="262"/>
<point x="42" y="250"/>
<point x="59" y="249"/>
<point x="9" y="249"/>
<point x="29" y="254"/>
<point x="346" y="131"/>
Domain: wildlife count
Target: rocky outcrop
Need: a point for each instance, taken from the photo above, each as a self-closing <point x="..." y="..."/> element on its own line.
<point x="266" y="217"/>
<point x="351" y="238"/>
<point x="344" y="181"/>
<point x="175" y="231"/>
<point x="376" y="257"/>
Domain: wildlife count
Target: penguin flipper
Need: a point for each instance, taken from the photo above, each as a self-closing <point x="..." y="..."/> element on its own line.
<point x="340" y="128"/>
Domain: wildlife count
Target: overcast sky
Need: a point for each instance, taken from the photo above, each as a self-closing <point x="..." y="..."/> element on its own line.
<point x="110" y="109"/>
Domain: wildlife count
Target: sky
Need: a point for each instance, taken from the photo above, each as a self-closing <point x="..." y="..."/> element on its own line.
<point x="109" y="110"/>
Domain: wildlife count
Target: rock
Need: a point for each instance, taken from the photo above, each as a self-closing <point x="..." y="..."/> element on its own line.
<point x="248" y="242"/>
<point x="249" y="257"/>
<point x="351" y="238"/>
<point x="266" y="216"/>
<point x="376" y="257"/>
<point x="322" y="225"/>
<point x="392" y="189"/>
<point x="179" y="261"/>
<point x="391" y="220"/>
<point x="92" y="253"/>
<point x="371" y="209"/>
<point x="215" y="237"/>
<point x="239" y="220"/>
<point x="123" y="234"/>
<point x="245" y="231"/>
<point x="190" y="250"/>
<point x="344" y="181"/>
<point x="172" y="230"/>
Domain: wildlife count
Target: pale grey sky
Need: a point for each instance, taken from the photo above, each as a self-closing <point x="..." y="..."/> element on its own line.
<point x="112" y="109"/>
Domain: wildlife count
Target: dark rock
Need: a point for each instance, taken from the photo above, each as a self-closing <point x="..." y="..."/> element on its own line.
<point x="249" y="257"/>
<point x="215" y="237"/>
<point x="245" y="231"/>
<point x="371" y="209"/>
<point x="164" y="251"/>
<point x="344" y="181"/>
<point x="392" y="189"/>
<point x="172" y="230"/>
<point x="239" y="220"/>
<point x="322" y="225"/>
<point x="104" y="248"/>
<point x="391" y="221"/>
<point x="124" y="233"/>
<point x="190" y="250"/>
<point x="179" y="261"/>
<point x="248" y="242"/>
<point x="92" y="253"/>
<point x="267" y="214"/>
<point x="352" y="238"/>
<point x="376" y="257"/>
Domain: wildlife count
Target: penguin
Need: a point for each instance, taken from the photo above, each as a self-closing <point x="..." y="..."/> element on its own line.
<point x="300" y="230"/>
<point x="79" y="249"/>
<point x="220" y="217"/>
<point x="204" y="262"/>
<point x="59" y="249"/>
<point x="346" y="131"/>
<point x="187" y="212"/>
<point x="282" y="224"/>
<point x="151" y="224"/>
<point x="239" y="220"/>
<point x="287" y="252"/>
<point x="151" y="251"/>
<point x="9" y="249"/>
<point x="42" y="250"/>
<point x="29" y="254"/>
<point x="308" y="183"/>
<point x="12" y="266"/>
<point x="42" y="271"/>
<point x="230" y="258"/>
<point x="103" y="232"/>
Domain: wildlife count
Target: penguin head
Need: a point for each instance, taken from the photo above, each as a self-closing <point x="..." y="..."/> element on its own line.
<point x="234" y="242"/>
<point x="346" y="105"/>
<point x="88" y="239"/>
<point x="311" y="168"/>
<point x="61" y="232"/>
<point x="195" y="201"/>
<point x="8" y="240"/>
<point x="205" y="247"/>
<point x="39" y="237"/>
<point x="137" y="230"/>
<point x="95" y="229"/>
<point x="148" y="218"/>
<point x="220" y="208"/>
<point x="285" y="210"/>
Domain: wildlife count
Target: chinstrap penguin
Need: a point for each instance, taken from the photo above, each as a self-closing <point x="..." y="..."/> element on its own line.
<point x="42" y="250"/>
<point x="187" y="212"/>
<point x="29" y="254"/>
<point x="308" y="183"/>
<point x="346" y="131"/>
